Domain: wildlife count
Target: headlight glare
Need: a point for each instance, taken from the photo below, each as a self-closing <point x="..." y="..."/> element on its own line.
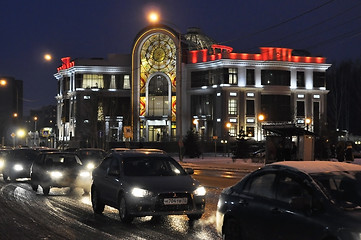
<point x="90" y="166"/>
<point x="56" y="174"/>
<point x="2" y="163"/>
<point x="200" y="191"/>
<point x="138" y="192"/>
<point x="18" y="167"/>
<point x="84" y="174"/>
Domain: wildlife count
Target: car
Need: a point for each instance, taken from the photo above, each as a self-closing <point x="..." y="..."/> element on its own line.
<point x="90" y="157"/>
<point x="59" y="169"/>
<point x="293" y="200"/>
<point x="146" y="183"/>
<point x="4" y="153"/>
<point x="17" y="163"/>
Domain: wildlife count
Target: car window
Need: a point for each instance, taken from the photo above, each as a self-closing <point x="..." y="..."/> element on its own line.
<point x="289" y="187"/>
<point x="58" y="159"/>
<point x="105" y="163"/>
<point x="151" y="166"/>
<point x="261" y="185"/>
<point x="114" y="165"/>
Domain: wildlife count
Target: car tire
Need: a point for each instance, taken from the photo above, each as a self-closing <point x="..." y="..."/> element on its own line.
<point x="34" y="187"/>
<point x="98" y="206"/>
<point x="46" y="190"/>
<point x="194" y="217"/>
<point x="123" y="211"/>
<point x="231" y="230"/>
<point x="6" y="178"/>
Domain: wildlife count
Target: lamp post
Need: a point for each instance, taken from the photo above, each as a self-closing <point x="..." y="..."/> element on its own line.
<point x="308" y="122"/>
<point x="260" y="118"/>
<point x="228" y="126"/>
<point x="35" y="120"/>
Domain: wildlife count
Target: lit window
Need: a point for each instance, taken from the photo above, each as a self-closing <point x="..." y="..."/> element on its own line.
<point x="112" y="83"/>
<point x="232" y="106"/>
<point x="218" y="120"/>
<point x="126" y="82"/>
<point x="250" y="120"/>
<point x="93" y="81"/>
<point x="233" y="120"/>
<point x="232" y="76"/>
<point x="300" y="96"/>
<point x="86" y="97"/>
<point x="218" y="94"/>
<point x="233" y="131"/>
<point x="250" y="94"/>
<point x="316" y="96"/>
<point x="233" y="94"/>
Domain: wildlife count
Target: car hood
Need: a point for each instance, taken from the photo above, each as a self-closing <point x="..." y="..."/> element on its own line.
<point x="159" y="184"/>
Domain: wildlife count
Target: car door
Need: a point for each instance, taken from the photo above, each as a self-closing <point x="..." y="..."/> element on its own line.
<point x="253" y="204"/>
<point x="292" y="223"/>
<point x="112" y="181"/>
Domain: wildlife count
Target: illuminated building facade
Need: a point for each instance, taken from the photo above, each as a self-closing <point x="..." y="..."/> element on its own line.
<point x="174" y="82"/>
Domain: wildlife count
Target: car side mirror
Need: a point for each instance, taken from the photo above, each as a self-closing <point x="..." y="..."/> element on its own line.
<point x="190" y="171"/>
<point x="114" y="172"/>
<point x="301" y="203"/>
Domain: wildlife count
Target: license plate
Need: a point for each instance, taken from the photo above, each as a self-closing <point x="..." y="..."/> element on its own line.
<point x="175" y="201"/>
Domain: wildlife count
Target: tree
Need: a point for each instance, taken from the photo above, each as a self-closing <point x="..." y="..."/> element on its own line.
<point x="191" y="144"/>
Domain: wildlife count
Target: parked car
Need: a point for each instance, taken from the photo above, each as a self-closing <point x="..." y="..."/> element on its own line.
<point x="146" y="183"/>
<point x="90" y="157"/>
<point x="294" y="200"/>
<point x="4" y="153"/>
<point x="59" y="169"/>
<point x="18" y="162"/>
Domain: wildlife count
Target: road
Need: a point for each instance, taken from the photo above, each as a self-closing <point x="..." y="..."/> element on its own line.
<point x="25" y="214"/>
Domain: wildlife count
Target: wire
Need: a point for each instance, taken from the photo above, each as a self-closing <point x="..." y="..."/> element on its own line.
<point x="281" y="23"/>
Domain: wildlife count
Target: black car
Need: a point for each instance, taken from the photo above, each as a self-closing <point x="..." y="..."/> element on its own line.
<point x="294" y="200"/>
<point x="146" y="183"/>
<point x="4" y="153"/>
<point x="90" y="157"/>
<point x="59" y="169"/>
<point x="17" y="163"/>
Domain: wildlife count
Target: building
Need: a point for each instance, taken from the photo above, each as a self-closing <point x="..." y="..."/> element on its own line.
<point x="172" y="82"/>
<point x="11" y="108"/>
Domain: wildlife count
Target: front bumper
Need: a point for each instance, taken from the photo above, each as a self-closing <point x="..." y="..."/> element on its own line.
<point x="155" y="206"/>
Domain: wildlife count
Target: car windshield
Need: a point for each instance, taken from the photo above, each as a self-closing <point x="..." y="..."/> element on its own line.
<point x="61" y="160"/>
<point x="342" y="187"/>
<point x="26" y="154"/>
<point x="152" y="166"/>
<point x="90" y="154"/>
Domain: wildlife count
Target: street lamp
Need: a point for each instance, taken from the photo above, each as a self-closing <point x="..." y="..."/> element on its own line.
<point x="3" y="82"/>
<point x="35" y="120"/>
<point x="153" y="17"/>
<point x="261" y="117"/>
<point x="308" y="122"/>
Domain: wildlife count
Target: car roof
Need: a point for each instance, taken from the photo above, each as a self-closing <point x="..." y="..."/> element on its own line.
<point x="144" y="152"/>
<point x="318" y="166"/>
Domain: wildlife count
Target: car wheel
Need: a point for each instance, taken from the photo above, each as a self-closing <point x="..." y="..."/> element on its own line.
<point x="34" y="187"/>
<point x="6" y="178"/>
<point x="194" y="217"/>
<point x="98" y="206"/>
<point x="46" y="190"/>
<point x="231" y="230"/>
<point x="123" y="211"/>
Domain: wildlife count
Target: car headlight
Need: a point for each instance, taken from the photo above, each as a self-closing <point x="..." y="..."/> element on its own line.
<point x="90" y="166"/>
<point x="84" y="174"/>
<point x="18" y="167"/>
<point x="56" y="174"/>
<point x="200" y="191"/>
<point x="2" y="163"/>
<point x="139" y="192"/>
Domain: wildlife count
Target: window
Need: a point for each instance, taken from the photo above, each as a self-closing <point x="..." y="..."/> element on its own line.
<point x="232" y="76"/>
<point x="126" y="82"/>
<point x="319" y="79"/>
<point x="250" y="131"/>
<point x="250" y="80"/>
<point x="112" y="82"/>
<point x="300" y="108"/>
<point x="275" y="77"/>
<point x="158" y="103"/>
<point x="276" y="107"/>
<point x="300" y="79"/>
<point x="232" y="106"/>
<point x="288" y="187"/>
<point x="233" y="131"/>
<point x="250" y="108"/>
<point x="261" y="185"/>
<point x="93" y="81"/>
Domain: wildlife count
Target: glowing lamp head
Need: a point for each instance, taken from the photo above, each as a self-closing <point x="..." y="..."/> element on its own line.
<point x="308" y="120"/>
<point x="48" y="57"/>
<point x="153" y="17"/>
<point x="228" y="125"/>
<point x="3" y="82"/>
<point x="261" y="117"/>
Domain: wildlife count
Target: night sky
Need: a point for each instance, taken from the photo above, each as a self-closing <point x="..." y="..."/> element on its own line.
<point x="89" y="28"/>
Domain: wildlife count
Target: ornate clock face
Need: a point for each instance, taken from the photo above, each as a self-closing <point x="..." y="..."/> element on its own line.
<point x="159" y="53"/>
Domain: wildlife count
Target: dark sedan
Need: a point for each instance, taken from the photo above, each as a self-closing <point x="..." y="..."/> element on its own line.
<point x="294" y="201"/>
<point x="17" y="163"/>
<point x="146" y="183"/>
<point x="59" y="169"/>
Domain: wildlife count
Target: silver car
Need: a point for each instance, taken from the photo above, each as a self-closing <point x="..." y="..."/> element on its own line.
<point x="145" y="183"/>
